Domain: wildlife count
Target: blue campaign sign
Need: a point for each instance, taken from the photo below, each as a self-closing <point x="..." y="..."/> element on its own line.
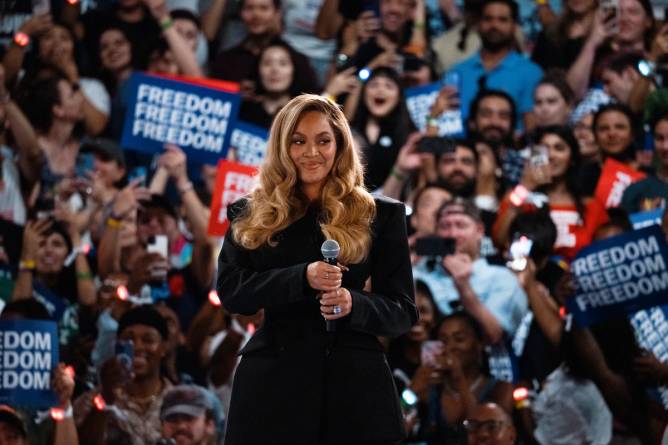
<point x="641" y="220"/>
<point x="197" y="118"/>
<point x="651" y="331"/>
<point x="620" y="275"/>
<point x="250" y="143"/>
<point x="419" y="101"/>
<point x="53" y="304"/>
<point x="28" y="354"/>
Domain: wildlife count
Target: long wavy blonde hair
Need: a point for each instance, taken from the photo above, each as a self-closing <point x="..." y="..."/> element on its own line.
<point x="277" y="200"/>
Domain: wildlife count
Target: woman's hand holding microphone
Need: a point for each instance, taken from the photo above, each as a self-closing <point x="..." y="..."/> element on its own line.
<point x="335" y="301"/>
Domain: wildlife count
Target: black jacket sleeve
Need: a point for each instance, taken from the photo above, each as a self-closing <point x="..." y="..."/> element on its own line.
<point x="389" y="310"/>
<point x="243" y="290"/>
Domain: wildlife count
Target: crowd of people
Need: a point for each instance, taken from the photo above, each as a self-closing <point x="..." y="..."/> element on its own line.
<point x="113" y="244"/>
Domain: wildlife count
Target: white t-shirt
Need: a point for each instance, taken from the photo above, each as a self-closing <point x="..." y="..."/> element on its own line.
<point x="570" y="411"/>
<point x="12" y="207"/>
<point x="96" y="94"/>
<point x="299" y="17"/>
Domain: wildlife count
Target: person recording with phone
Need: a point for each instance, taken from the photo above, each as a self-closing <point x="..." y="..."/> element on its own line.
<point x="463" y="279"/>
<point x="131" y="391"/>
<point x="618" y="26"/>
<point x="311" y="190"/>
<point x="552" y="173"/>
<point x="454" y="379"/>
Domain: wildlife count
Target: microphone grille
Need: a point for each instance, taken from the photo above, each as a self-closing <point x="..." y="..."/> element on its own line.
<point x="330" y="249"/>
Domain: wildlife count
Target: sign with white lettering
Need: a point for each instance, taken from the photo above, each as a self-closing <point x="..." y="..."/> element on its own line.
<point x="615" y="178"/>
<point x="249" y="143"/>
<point x="162" y="110"/>
<point x="28" y="355"/>
<point x="645" y="219"/>
<point x="620" y="275"/>
<point x="420" y="99"/>
<point x="233" y="181"/>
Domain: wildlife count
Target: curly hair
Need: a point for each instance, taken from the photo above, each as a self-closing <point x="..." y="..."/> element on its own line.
<point x="347" y="207"/>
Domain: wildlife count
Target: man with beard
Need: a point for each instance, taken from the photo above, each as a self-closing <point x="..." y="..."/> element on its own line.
<point x="457" y="169"/>
<point x="498" y="65"/>
<point x="186" y="416"/>
<point x="491" y="120"/>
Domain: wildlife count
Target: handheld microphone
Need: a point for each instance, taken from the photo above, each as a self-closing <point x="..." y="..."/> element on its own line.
<point x="330" y="251"/>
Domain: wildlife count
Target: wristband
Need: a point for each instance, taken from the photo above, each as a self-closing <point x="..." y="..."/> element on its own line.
<point x="84" y="276"/>
<point x="214" y="299"/>
<point x="521" y="398"/>
<point x="166" y="23"/>
<point x="113" y="223"/>
<point x="398" y="174"/>
<point x="27" y="265"/>
<point x="330" y="97"/>
<point x="21" y="39"/>
<point x="418" y="25"/>
<point x="432" y="122"/>
<point x="59" y="414"/>
<point x="99" y="403"/>
<point x="519" y="195"/>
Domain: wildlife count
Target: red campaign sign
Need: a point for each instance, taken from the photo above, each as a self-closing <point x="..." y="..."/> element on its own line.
<point x="615" y="178"/>
<point x="233" y="180"/>
<point x="216" y="84"/>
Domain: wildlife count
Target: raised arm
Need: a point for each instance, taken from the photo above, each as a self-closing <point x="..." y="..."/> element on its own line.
<point x="184" y="56"/>
<point x="13" y="58"/>
<point x="329" y="20"/>
<point x="212" y="19"/>
<point x="580" y="72"/>
<point x="30" y="155"/>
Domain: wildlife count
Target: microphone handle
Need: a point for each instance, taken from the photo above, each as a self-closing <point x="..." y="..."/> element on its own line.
<point x="331" y="324"/>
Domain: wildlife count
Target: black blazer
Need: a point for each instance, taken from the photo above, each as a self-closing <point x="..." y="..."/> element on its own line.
<point x="297" y="384"/>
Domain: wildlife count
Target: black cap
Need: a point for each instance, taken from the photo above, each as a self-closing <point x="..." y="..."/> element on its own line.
<point x="190" y="400"/>
<point x="145" y="315"/>
<point x="10" y="416"/>
<point x="106" y="149"/>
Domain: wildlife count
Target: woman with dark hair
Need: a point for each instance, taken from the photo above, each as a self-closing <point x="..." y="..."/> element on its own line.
<point x="631" y="30"/>
<point x="277" y="80"/>
<point x="553" y="100"/>
<point x="117" y="60"/>
<point x="53" y="106"/>
<point x="383" y="120"/>
<point x="56" y="51"/>
<point x="48" y="251"/>
<point x="616" y="134"/>
<point x="575" y="216"/>
<point x="461" y="381"/>
<point x="311" y="189"/>
<point x="559" y="44"/>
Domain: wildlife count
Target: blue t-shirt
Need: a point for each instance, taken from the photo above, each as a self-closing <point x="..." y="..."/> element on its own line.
<point x="515" y="74"/>
<point x="495" y="286"/>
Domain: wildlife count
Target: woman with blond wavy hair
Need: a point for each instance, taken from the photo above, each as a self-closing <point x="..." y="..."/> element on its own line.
<point x="297" y="382"/>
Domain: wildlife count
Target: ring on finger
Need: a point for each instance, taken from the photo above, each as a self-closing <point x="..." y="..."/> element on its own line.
<point x="336" y="310"/>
